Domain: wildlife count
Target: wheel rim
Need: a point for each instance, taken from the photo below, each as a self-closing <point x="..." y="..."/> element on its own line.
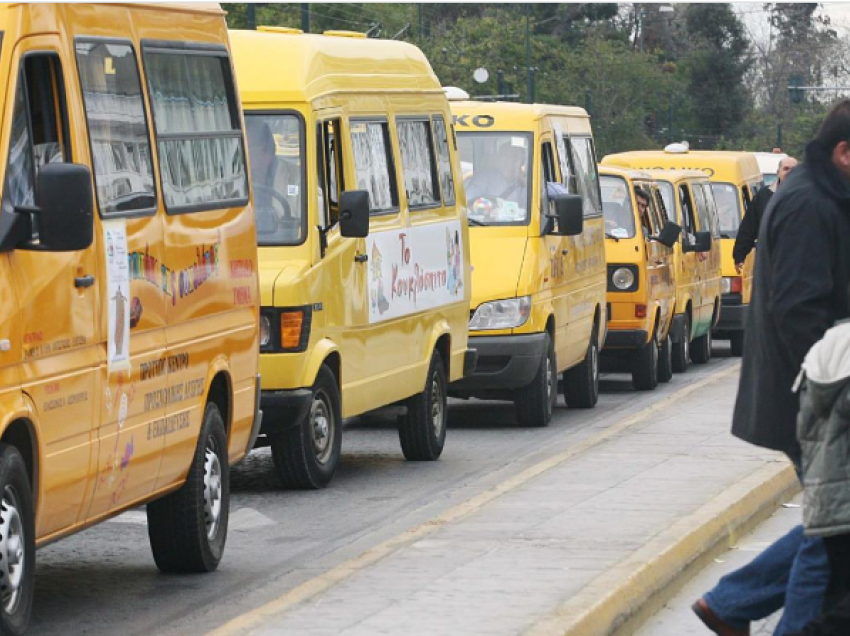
<point x="323" y="425"/>
<point x="594" y="367"/>
<point x="686" y="342"/>
<point x="212" y="490"/>
<point x="655" y="352"/>
<point x="437" y="406"/>
<point x="551" y="383"/>
<point x="12" y="556"/>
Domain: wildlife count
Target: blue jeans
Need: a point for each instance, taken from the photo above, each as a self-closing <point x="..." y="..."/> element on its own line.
<point x="793" y="572"/>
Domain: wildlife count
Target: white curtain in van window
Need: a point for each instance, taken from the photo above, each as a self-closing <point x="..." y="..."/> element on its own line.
<point x="371" y="163"/>
<point x="417" y="161"/>
<point x="444" y="164"/>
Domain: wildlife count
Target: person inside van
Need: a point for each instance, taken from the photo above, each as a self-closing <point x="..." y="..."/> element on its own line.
<point x="643" y="211"/>
<point x="267" y="203"/>
<point x="507" y="180"/>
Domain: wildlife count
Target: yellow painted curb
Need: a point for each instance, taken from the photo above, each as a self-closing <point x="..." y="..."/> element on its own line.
<point x="617" y="597"/>
<point x="253" y="619"/>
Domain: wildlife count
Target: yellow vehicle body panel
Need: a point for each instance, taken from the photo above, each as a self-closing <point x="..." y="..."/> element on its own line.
<point x="381" y="360"/>
<point x="111" y="432"/>
<point x="563" y="275"/>
<point x="651" y="306"/>
<point x="738" y="169"/>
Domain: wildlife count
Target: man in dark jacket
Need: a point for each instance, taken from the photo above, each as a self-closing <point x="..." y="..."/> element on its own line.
<point x="799" y="291"/>
<point x="748" y="232"/>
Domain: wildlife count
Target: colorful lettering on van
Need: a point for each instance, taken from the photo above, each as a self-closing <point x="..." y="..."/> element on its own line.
<point x="417" y="268"/>
<point x="118" y="293"/>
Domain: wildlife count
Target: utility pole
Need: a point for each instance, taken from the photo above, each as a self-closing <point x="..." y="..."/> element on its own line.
<point x="305" y="17"/>
<point x="672" y="105"/>
<point x="779" y="135"/>
<point x="421" y="21"/>
<point x="251" y="16"/>
<point x="529" y="91"/>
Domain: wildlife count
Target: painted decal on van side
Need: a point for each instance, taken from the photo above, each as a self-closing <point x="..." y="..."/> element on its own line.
<point x="117" y="294"/>
<point x="413" y="269"/>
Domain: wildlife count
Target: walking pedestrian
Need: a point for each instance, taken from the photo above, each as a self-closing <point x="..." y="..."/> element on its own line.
<point x="799" y="291"/>
<point x="748" y="232"/>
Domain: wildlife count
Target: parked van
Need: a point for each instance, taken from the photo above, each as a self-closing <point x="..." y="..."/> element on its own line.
<point x="537" y="243"/>
<point x="639" y="240"/>
<point x="129" y="295"/>
<point x="364" y="253"/>
<point x="689" y="200"/>
<point x="735" y="178"/>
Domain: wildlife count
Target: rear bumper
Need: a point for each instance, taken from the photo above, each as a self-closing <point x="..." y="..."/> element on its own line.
<point x="733" y="315"/>
<point x="626" y="339"/>
<point x="258" y="419"/>
<point x="503" y="362"/>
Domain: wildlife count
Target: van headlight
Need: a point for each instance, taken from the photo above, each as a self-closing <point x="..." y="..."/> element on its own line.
<point x="501" y="314"/>
<point x="265" y="330"/>
<point x="622" y="278"/>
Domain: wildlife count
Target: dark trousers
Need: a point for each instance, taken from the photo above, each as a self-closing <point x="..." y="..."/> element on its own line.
<point x="835" y="621"/>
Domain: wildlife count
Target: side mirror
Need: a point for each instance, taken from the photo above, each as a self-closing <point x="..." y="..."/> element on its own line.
<point x="354" y="213"/>
<point x="569" y="211"/>
<point x="702" y="243"/>
<point x="669" y="234"/>
<point x="65" y="211"/>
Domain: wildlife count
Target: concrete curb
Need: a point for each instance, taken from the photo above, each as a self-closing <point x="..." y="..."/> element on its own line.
<point x="618" y="601"/>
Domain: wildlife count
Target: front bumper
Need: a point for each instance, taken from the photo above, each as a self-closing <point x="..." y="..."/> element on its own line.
<point x="504" y="362"/>
<point x="626" y="339"/>
<point x="283" y="410"/>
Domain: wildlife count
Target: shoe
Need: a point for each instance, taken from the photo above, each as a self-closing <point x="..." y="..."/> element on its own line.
<point x="714" y="623"/>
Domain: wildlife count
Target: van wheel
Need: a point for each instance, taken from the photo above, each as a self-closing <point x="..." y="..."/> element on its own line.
<point x="645" y="366"/>
<point x="535" y="402"/>
<point x="422" y="431"/>
<point x="682" y="349"/>
<point x="581" y="383"/>
<point x="17" y="543"/>
<point x="665" y="360"/>
<point x="188" y="528"/>
<point x="736" y="339"/>
<point x="306" y="456"/>
<point x="702" y="348"/>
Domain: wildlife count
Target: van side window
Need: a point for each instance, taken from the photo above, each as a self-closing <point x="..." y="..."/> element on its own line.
<point x="374" y="165"/>
<point x="547" y="176"/>
<point x="569" y="175"/>
<point x="585" y="161"/>
<point x="198" y="133"/>
<point x="701" y="209"/>
<point x="444" y="162"/>
<point x="688" y="215"/>
<point x="329" y="164"/>
<point x="118" y="131"/>
<point x="711" y="208"/>
<point x="39" y="129"/>
<point x="417" y="163"/>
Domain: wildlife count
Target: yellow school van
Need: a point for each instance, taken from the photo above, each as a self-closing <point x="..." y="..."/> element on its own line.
<point x="537" y="244"/>
<point x="639" y="240"/>
<point x="130" y="301"/>
<point x="364" y="254"/>
<point x="735" y="178"/>
<point x="689" y="200"/>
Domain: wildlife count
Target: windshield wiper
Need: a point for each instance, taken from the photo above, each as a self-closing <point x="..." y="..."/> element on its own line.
<point x="475" y="221"/>
<point x="611" y="236"/>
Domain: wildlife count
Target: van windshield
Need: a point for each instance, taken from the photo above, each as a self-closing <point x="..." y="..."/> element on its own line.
<point x="728" y="208"/>
<point x="276" y="149"/>
<point x="617" y="208"/>
<point x="496" y="173"/>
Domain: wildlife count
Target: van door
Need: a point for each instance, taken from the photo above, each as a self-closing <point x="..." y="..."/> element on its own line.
<point x="57" y="291"/>
<point x="132" y="283"/>
<point x="660" y="262"/>
<point x="688" y="276"/>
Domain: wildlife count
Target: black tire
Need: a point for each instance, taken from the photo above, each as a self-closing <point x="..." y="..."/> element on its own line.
<point x="306" y="456"/>
<point x="188" y="528"/>
<point x="645" y="366"/>
<point x="535" y="403"/>
<point x="736" y="339"/>
<point x="702" y="348"/>
<point x="665" y="360"/>
<point x="422" y="431"/>
<point x="17" y="521"/>
<point x="581" y="383"/>
<point x="682" y="349"/>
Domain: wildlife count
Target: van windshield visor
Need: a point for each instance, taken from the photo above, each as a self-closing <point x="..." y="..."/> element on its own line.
<point x="496" y="174"/>
<point x="728" y="208"/>
<point x="276" y="149"/>
<point x="617" y="208"/>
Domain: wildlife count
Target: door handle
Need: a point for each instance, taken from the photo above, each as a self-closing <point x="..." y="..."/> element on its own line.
<point x="564" y="252"/>
<point x="84" y="281"/>
<point x="361" y="258"/>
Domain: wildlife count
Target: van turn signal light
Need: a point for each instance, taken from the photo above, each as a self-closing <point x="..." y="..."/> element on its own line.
<point x="290" y="329"/>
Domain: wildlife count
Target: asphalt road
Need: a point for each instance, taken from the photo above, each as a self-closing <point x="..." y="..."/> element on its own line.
<point x="104" y="581"/>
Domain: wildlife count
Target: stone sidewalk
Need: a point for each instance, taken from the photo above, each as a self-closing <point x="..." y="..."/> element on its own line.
<point x="676" y="617"/>
<point x="570" y="533"/>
